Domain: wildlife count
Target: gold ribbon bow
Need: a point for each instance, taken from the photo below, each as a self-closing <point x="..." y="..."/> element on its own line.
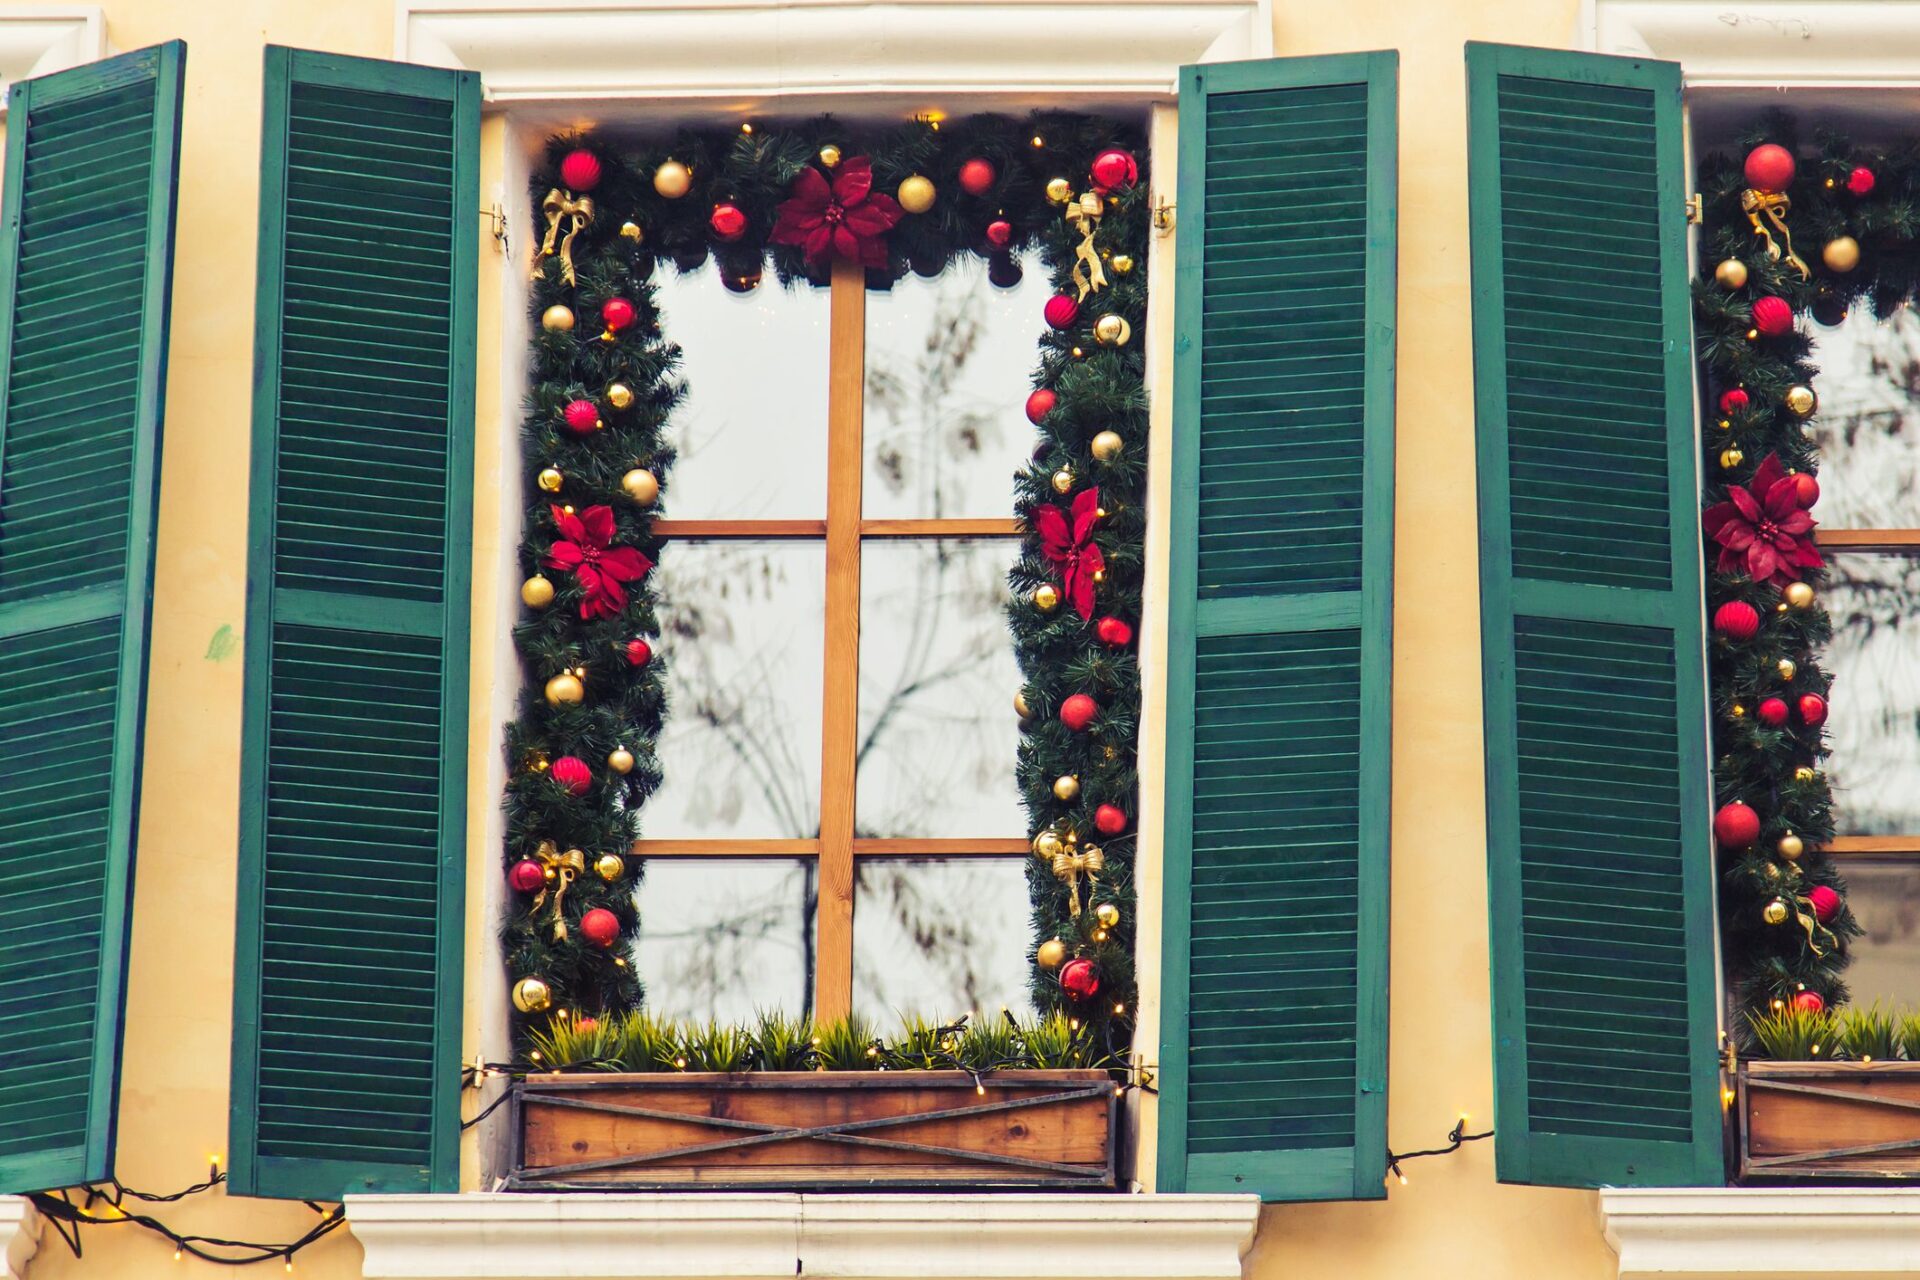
<point x="576" y="212"/>
<point x="565" y="869"/>
<point x="1772" y="206"/>
<point x="1811" y="923"/>
<point x="1068" y="865"/>
<point x="1084" y="213"/>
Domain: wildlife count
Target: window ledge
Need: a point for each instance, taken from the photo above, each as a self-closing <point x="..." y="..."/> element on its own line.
<point x="1781" y="1232"/>
<point x="781" y="1236"/>
<point x="19" y="1236"/>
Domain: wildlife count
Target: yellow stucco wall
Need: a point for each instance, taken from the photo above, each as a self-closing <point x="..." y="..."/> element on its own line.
<point x="1451" y="1220"/>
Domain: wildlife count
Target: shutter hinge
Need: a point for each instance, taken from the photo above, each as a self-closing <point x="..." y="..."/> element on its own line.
<point x="1162" y="214"/>
<point x="1729" y="1055"/>
<point x="1696" y="211"/>
<point x="498" y="217"/>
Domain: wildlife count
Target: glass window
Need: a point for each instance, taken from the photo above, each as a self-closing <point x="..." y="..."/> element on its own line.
<point x="1873" y="727"/>
<point x="726" y="938"/>
<point x="941" y="937"/>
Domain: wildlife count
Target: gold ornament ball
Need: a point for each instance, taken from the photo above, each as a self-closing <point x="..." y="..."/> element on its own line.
<point x="1112" y="331"/>
<point x="536" y="592"/>
<point x="1066" y="787"/>
<point x="1047" y="846"/>
<point x="1801" y="401"/>
<point x="1736" y="712"/>
<point x="1791" y="846"/>
<point x="1842" y="254"/>
<point x="1731" y="458"/>
<point x="551" y="479"/>
<point x="1045" y="598"/>
<point x="673" y="180"/>
<point x="1059" y="190"/>
<point x="1122" y="263"/>
<point x="1803" y="774"/>
<point x="557" y="318"/>
<point x="1732" y="273"/>
<point x="915" y="194"/>
<point x="620" y="760"/>
<point x="530" y="995"/>
<point x="565" y="688"/>
<point x="619" y="395"/>
<point x="610" y="867"/>
<point x="641" y="486"/>
<point x="830" y="155"/>
<point x="1063" y="480"/>
<point x="1107" y="914"/>
<point x="631" y="231"/>
<point x="1774" y="912"/>
<point x="1020" y="707"/>
<point x="1799" y="594"/>
<point x="1051" y="954"/>
<point x="1786" y="668"/>
<point x="1107" y="445"/>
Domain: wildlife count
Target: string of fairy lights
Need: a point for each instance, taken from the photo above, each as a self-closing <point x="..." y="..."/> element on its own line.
<point x="105" y="1205"/>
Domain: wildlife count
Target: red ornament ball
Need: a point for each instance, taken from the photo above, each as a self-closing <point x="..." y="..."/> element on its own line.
<point x="1813" y="710"/>
<point x="618" y="313"/>
<point x="572" y="773"/>
<point x="526" y="876"/>
<point x="1114" y="631"/>
<point x="1806" y="490"/>
<point x="728" y="222"/>
<point x="1860" y="181"/>
<point x="1115" y="170"/>
<point x="582" y="417"/>
<point x="1733" y="400"/>
<point x="1736" y="825"/>
<point x="1061" y="311"/>
<point x="1109" y="820"/>
<point x="1809" y="1001"/>
<point x="600" y="927"/>
<point x="1769" y="167"/>
<point x="1736" y="620"/>
<point x="976" y="176"/>
<point x="1824" y="901"/>
<point x="639" y="652"/>
<point x="1772" y="712"/>
<point x="580" y="170"/>
<point x="1079" y="979"/>
<point x="1078" y="711"/>
<point x="1039" y="405"/>
<point x="999" y="233"/>
<point x="1772" y="316"/>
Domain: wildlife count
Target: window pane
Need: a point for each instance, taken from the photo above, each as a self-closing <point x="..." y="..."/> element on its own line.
<point x="940" y="937"/>
<point x="948" y="362"/>
<point x="725" y="937"/>
<point x="937" y="678"/>
<point x="1885" y="896"/>
<point x="752" y="431"/>
<point x="1873" y="721"/>
<point x="1868" y="427"/>
<point x="745" y="626"/>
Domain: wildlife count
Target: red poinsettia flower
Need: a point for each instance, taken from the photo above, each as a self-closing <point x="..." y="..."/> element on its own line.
<point x="584" y="550"/>
<point x="1067" y="541"/>
<point x="1763" y="528"/>
<point x="849" y="219"/>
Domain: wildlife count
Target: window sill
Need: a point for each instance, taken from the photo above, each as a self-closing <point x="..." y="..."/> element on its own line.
<point x="1764" y="1232"/>
<point x="19" y="1236"/>
<point x="780" y="1236"/>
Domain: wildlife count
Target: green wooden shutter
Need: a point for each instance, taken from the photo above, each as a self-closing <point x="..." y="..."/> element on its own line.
<point x="347" y="993"/>
<point x="86" y="265"/>
<point x="1597" y="803"/>
<point x="1273" y="1060"/>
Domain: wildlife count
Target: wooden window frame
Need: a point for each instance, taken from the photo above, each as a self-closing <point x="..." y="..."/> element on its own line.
<point x="843" y="533"/>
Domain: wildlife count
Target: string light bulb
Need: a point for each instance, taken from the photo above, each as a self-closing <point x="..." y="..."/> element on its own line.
<point x="179" y="1254"/>
<point x="1039" y="141"/>
<point x="746" y="126"/>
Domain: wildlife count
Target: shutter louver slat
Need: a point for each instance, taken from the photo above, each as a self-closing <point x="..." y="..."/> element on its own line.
<point x="1601" y="873"/>
<point x="350" y="938"/>
<point x="1274" y="1035"/>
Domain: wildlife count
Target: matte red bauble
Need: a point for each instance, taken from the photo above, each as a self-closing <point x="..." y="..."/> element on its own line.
<point x="1115" y="170"/>
<point x="1039" y="405"/>
<point x="1109" y="820"/>
<point x="1824" y="901"/>
<point x="728" y="222"/>
<point x="526" y="876"/>
<point x="582" y="416"/>
<point x="976" y="176"/>
<point x="1736" y="620"/>
<point x="1079" y="979"/>
<point x="1813" y="710"/>
<point x="639" y="652"/>
<point x="1114" y="631"/>
<point x="1860" y="181"/>
<point x="1736" y="826"/>
<point x="1769" y="167"/>
<point x="1772" y="316"/>
<point x="1061" y="311"/>
<point x="580" y="170"/>
<point x="1771" y="712"/>
<point x="1809" y="1001"/>
<point x="1733" y="400"/>
<point x="600" y="927"/>
<point x="1806" y="490"/>
<point x="572" y="773"/>
<point x="999" y="233"/>
<point x="617" y="313"/>
<point x="1078" y="711"/>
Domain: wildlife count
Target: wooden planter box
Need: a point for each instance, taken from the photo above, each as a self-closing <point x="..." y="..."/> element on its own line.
<point x="802" y="1130"/>
<point x="1842" y="1121"/>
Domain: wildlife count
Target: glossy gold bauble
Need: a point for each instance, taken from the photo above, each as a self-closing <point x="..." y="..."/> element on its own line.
<point x="557" y="318"/>
<point x="1066" y="787"/>
<point x="1798" y="594"/>
<point x="1801" y="401"/>
<point x="1731" y="273"/>
<point x="915" y="194"/>
<point x="551" y="479"/>
<point x="530" y="995"/>
<point x="640" y="485"/>
<point x="1051" y="954"/>
<point x="1107" y="445"/>
<point x="1786" y="668"/>
<point x="620" y="760"/>
<point x="1122" y="263"/>
<point x="1059" y="190"/>
<point x="610" y="867"/>
<point x="1791" y="846"/>
<point x="830" y="155"/>
<point x="1774" y="912"/>
<point x="1107" y="914"/>
<point x="1803" y="774"/>
<point x="536" y="592"/>
<point x="1063" y="480"/>
<point x="631" y="231"/>
<point x="1046" y="598"/>
<point x="1731" y="458"/>
<point x="673" y="180"/>
<point x="1047" y="846"/>
<point x="1020" y="707"/>
<point x="1112" y="331"/>
<point x="1841" y="254"/>
<point x="1736" y="712"/>
<point x="619" y="394"/>
<point x="565" y="688"/>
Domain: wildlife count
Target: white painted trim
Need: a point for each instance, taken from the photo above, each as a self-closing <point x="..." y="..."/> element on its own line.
<point x="775" y="1236"/>
<point x="753" y="49"/>
<point x="1764" y="1233"/>
<point x="1764" y="43"/>
<point x="41" y="39"/>
<point x="19" y="1236"/>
